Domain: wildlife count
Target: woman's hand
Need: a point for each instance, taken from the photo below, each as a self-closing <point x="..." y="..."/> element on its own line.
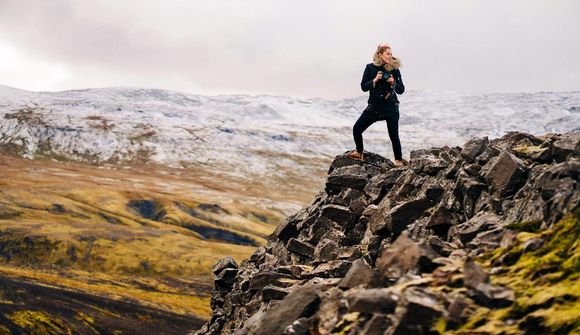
<point x="391" y="80"/>
<point x="378" y="77"/>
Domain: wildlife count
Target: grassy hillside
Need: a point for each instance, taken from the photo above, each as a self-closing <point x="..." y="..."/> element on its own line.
<point x="82" y="247"/>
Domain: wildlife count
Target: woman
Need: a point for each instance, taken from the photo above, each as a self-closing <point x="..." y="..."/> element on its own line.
<point x="383" y="79"/>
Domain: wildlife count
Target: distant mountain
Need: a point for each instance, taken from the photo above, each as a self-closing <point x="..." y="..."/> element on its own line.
<point x="255" y="136"/>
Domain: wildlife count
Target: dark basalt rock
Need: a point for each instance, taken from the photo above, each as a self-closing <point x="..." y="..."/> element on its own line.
<point x="492" y="296"/>
<point x="224" y="263"/>
<point x="505" y="174"/>
<point x="384" y="250"/>
<point x="360" y="274"/>
<point x="302" y="302"/>
<point x="404" y="256"/>
<point x="354" y="176"/>
<point x="473" y="148"/>
<point x="368" y="301"/>
<point x="419" y="311"/>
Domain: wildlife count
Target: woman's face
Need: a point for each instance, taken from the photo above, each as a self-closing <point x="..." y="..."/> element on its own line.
<point x="386" y="56"/>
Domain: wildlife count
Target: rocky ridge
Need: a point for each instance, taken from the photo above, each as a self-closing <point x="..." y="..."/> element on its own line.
<point x="385" y="250"/>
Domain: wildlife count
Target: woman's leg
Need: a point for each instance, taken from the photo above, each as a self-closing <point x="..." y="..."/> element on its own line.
<point x="363" y="122"/>
<point x="393" y="127"/>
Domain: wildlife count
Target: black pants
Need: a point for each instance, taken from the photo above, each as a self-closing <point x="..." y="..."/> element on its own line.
<point x="370" y="116"/>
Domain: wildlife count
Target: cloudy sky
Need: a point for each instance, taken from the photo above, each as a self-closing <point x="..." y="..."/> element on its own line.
<point x="302" y="48"/>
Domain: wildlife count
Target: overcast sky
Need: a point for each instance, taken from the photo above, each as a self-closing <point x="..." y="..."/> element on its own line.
<point x="302" y="48"/>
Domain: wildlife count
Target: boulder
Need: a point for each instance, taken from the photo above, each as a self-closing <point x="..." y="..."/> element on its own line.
<point x="300" y="248"/>
<point x="224" y="263"/>
<point x="340" y="214"/>
<point x="354" y="177"/>
<point x="271" y="292"/>
<point x="301" y="302"/>
<point x="326" y="251"/>
<point x="419" y="310"/>
<point x="467" y="231"/>
<point x="473" y="274"/>
<point x="368" y="301"/>
<point x="406" y="255"/>
<point x="504" y="174"/>
<point x="567" y="145"/>
<point x="360" y="274"/>
<point x="473" y="148"/>
<point x="492" y="296"/>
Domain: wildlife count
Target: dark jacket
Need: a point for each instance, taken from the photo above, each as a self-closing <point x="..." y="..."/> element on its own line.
<point x="378" y="93"/>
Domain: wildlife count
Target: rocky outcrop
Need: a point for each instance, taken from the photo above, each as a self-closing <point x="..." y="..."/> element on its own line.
<point x="385" y="250"/>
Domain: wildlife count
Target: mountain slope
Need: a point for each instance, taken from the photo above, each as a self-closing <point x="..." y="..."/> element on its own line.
<point x="481" y="239"/>
<point x="254" y="136"/>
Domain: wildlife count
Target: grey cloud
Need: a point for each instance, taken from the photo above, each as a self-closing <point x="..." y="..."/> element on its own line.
<point x="301" y="47"/>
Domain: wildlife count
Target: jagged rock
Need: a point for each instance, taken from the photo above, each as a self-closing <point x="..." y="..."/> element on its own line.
<point x="368" y="301"/>
<point x="456" y="310"/>
<point x="473" y="274"/>
<point x="259" y="255"/>
<point x="532" y="244"/>
<point x="378" y="324"/>
<point x="354" y="177"/>
<point x="425" y="162"/>
<point x="441" y="247"/>
<point x="393" y="220"/>
<point x="301" y="302"/>
<point x="263" y="279"/>
<point x="326" y="251"/>
<point x="355" y="239"/>
<point x="333" y="269"/>
<point x="224" y="263"/>
<point x="504" y="174"/>
<point x="370" y="159"/>
<point x="467" y="231"/>
<point x="273" y="293"/>
<point x="338" y="214"/>
<point x="350" y="253"/>
<point x="324" y="228"/>
<point x="473" y="148"/>
<point x="298" y="327"/>
<point x="360" y="274"/>
<point x="566" y="146"/>
<point x="379" y="185"/>
<point x="225" y="278"/>
<point x="286" y="230"/>
<point x="346" y="197"/>
<point x="354" y="235"/>
<point x="406" y="255"/>
<point x="487" y="240"/>
<point x="296" y="271"/>
<point x="418" y="312"/>
<point x="300" y="248"/>
<point x="514" y="139"/>
<point x="492" y="296"/>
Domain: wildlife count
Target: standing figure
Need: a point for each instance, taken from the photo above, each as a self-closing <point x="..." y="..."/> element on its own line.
<point x="382" y="78"/>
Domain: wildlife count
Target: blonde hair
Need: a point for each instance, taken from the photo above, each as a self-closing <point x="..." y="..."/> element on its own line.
<point x="395" y="63"/>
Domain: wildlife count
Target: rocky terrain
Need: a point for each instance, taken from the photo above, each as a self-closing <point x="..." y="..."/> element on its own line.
<point x="478" y="239"/>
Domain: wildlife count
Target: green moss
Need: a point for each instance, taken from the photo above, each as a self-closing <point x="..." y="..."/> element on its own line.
<point x="527" y="226"/>
<point x="546" y="282"/>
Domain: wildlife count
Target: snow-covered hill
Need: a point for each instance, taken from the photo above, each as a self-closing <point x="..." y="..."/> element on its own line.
<point x="255" y="135"/>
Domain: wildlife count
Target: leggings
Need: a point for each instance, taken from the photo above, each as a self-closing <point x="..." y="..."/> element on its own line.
<point x="367" y="118"/>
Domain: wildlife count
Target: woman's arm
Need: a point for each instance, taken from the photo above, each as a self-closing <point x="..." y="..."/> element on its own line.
<point x="399" y="86"/>
<point x="367" y="79"/>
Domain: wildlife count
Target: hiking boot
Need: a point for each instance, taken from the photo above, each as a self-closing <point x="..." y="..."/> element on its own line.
<point x="400" y="163"/>
<point x="355" y="155"/>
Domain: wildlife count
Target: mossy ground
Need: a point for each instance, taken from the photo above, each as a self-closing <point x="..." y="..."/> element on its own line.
<point x="546" y="282"/>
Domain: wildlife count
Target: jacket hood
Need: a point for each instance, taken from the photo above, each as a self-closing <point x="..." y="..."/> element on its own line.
<point x="395" y="64"/>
